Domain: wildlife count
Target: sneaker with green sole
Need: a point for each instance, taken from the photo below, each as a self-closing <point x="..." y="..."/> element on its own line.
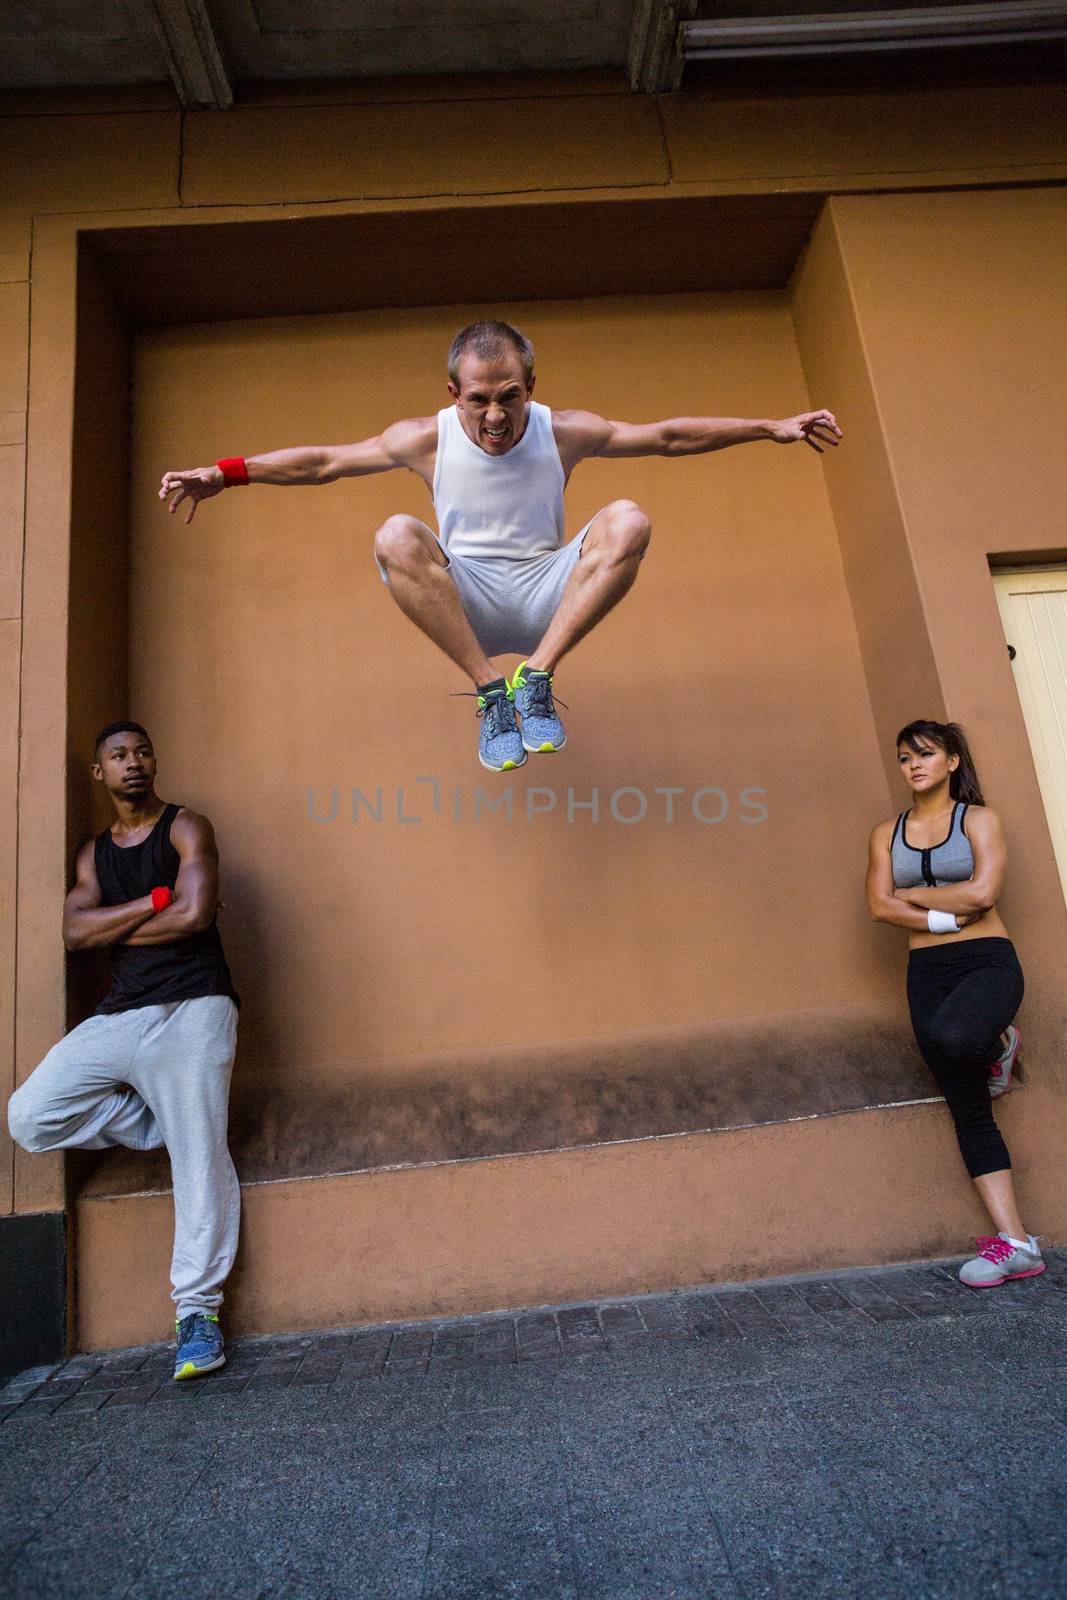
<point x="199" y="1345"/>
<point x="500" y="746"/>
<point x="542" y="731"/>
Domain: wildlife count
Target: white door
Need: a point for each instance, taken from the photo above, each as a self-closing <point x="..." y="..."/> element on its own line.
<point x="1033" y="608"/>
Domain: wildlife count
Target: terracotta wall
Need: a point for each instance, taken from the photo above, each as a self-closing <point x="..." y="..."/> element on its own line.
<point x="14" y="371"/>
<point x="966" y="372"/>
<point x="94" y="163"/>
<point x="981" y="471"/>
<point x="97" y="159"/>
<point x="899" y="664"/>
<point x="949" y="312"/>
<point x="277" y="676"/>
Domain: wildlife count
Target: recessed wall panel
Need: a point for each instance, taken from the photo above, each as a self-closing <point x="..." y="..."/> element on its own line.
<point x="695" y="852"/>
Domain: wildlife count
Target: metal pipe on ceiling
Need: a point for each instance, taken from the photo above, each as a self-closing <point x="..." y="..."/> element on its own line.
<point x="840" y="33"/>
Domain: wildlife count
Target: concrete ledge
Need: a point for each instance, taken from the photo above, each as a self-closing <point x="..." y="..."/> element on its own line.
<point x="467" y="1236"/>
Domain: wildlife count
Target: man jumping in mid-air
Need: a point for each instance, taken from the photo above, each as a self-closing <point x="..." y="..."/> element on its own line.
<point x="497" y="578"/>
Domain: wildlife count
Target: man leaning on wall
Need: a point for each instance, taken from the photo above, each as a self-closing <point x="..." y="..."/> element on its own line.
<point x="152" y="1066"/>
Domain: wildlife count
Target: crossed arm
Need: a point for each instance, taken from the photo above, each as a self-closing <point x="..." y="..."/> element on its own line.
<point x="87" y="924"/>
<point x="968" y="901"/>
<point x="579" y="434"/>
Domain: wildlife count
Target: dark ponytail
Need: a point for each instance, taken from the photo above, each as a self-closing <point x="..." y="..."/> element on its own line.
<point x="948" y="736"/>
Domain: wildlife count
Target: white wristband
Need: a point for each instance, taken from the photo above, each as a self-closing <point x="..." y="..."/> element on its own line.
<point x="942" y="922"/>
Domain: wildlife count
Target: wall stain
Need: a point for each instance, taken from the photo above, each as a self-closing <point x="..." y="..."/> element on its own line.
<point x="461" y="1104"/>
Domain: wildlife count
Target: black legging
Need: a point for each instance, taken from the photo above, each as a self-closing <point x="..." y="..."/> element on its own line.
<point x="962" y="996"/>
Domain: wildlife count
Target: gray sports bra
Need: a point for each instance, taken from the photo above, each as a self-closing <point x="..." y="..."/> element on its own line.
<point x="951" y="861"/>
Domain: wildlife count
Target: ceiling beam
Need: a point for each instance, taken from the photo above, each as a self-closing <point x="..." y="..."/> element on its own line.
<point x="656" y="58"/>
<point x="192" y="53"/>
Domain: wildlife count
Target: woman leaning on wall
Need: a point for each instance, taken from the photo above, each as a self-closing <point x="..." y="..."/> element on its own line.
<point x="938" y="871"/>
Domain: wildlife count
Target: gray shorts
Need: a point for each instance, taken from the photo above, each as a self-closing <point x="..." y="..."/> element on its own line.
<point x="510" y="603"/>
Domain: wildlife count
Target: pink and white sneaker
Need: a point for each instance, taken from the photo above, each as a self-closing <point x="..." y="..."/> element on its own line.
<point x="1000" y="1073"/>
<point x="999" y="1259"/>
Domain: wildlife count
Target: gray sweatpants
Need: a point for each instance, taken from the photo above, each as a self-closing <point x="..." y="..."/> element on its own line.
<point x="157" y="1075"/>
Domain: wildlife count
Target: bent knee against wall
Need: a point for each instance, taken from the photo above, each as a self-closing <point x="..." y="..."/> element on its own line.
<point x="22" y="1121"/>
<point x="962" y="1047"/>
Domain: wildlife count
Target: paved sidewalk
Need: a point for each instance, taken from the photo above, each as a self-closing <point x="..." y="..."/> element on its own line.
<point x="877" y="1434"/>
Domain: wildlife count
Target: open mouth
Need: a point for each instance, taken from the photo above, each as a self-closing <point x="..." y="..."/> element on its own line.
<point x="496" y="435"/>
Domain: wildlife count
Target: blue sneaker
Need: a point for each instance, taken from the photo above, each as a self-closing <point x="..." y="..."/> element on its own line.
<point x="199" y="1345"/>
<point x="542" y="731"/>
<point x="499" y="745"/>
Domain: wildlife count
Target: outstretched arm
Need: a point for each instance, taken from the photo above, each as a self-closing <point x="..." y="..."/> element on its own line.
<point x="196" y="888"/>
<point x="404" y="444"/>
<point x="581" y="433"/>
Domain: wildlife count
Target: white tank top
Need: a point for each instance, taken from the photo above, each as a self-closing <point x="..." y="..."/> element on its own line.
<point x="510" y="505"/>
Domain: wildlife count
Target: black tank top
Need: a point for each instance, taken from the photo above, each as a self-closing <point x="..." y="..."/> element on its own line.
<point x="155" y="974"/>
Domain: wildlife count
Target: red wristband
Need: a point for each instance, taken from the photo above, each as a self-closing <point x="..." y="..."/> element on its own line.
<point x="234" y="471"/>
<point x="161" y="899"/>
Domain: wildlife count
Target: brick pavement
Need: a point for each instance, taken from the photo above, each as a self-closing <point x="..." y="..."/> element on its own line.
<point x="861" y="1433"/>
<point x="780" y="1308"/>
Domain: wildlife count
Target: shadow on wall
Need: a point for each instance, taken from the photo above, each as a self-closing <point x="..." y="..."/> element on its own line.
<point x="731" y="1073"/>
